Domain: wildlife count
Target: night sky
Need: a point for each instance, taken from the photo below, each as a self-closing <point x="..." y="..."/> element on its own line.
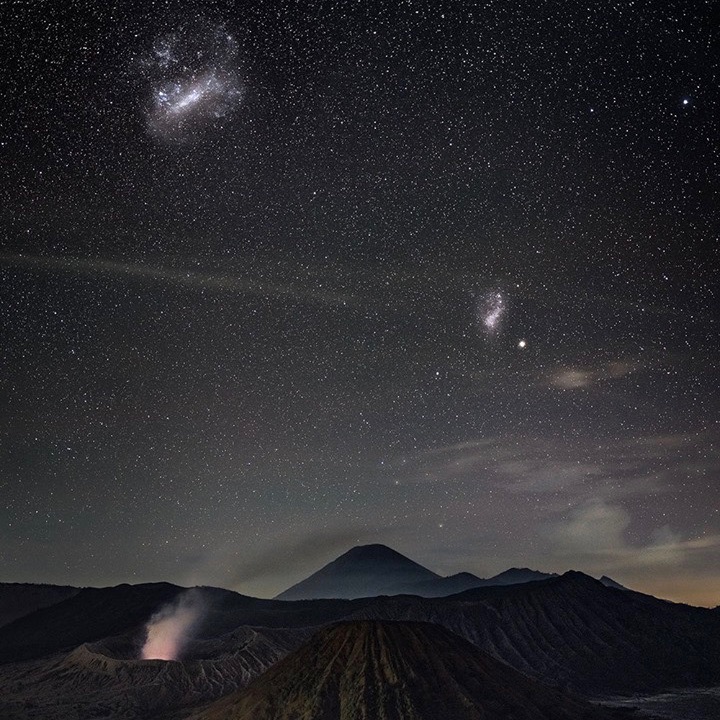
<point x="281" y="278"/>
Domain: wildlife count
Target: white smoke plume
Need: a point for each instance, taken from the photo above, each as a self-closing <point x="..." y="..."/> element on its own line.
<point x="170" y="628"/>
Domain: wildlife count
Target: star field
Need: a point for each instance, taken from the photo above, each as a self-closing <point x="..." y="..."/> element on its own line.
<point x="277" y="279"/>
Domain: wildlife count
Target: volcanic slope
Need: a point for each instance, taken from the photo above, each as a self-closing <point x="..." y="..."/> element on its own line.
<point x="570" y="630"/>
<point x="20" y="599"/>
<point x="97" y="613"/>
<point x="363" y="571"/>
<point x="372" y="570"/>
<point x="517" y="576"/>
<point x="453" y="584"/>
<point x="107" y="679"/>
<point x="576" y="632"/>
<point x="396" y="671"/>
<point x="91" y="614"/>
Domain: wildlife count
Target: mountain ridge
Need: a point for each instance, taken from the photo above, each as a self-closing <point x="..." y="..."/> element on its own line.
<point x="396" y="671"/>
<point x="362" y="571"/>
<point x="20" y="599"/>
<point x="570" y="631"/>
<point x="372" y="570"/>
<point x="574" y="631"/>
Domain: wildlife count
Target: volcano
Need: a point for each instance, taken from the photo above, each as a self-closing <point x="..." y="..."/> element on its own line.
<point x="363" y="571"/>
<point x="396" y="671"/>
<point x="372" y="570"/>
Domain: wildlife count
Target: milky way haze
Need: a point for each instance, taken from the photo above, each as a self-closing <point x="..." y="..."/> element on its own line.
<point x="277" y="279"/>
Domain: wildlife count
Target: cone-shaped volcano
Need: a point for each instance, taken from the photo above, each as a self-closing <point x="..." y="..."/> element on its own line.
<point x="396" y="671"/>
<point x="362" y="571"/>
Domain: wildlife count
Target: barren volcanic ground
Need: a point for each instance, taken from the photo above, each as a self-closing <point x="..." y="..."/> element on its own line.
<point x="78" y="659"/>
<point x="396" y="671"/>
<point x="107" y="679"/>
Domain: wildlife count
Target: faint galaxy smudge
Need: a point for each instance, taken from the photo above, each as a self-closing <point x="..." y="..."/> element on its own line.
<point x="490" y="310"/>
<point x="194" y="82"/>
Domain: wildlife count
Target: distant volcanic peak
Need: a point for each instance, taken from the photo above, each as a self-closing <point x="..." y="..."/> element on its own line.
<point x="571" y="581"/>
<point x="372" y="549"/>
<point x="609" y="582"/>
<point x="576" y="576"/>
<point x="363" y="571"/>
<point x="377" y="553"/>
<point x="388" y="670"/>
<point x="443" y="586"/>
<point x="371" y="570"/>
<point x="577" y="582"/>
<point x="462" y="576"/>
<point x="514" y="575"/>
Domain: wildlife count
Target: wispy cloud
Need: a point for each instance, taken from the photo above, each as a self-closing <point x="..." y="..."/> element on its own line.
<point x="579" y="467"/>
<point x="265" y="570"/>
<point x="594" y="504"/>
<point x="187" y="278"/>
<point x="574" y="377"/>
<point x="596" y="534"/>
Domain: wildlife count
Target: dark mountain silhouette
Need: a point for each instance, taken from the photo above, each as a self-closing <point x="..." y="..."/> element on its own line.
<point x="574" y="631"/>
<point x="97" y="613"/>
<point x="569" y="630"/>
<point x="396" y="671"/>
<point x="517" y="576"/>
<point x="362" y="571"/>
<point x="107" y="679"/>
<point x="18" y="599"/>
<point x="609" y="582"/>
<point x="91" y="614"/>
<point x="371" y="570"/>
<point x="444" y="586"/>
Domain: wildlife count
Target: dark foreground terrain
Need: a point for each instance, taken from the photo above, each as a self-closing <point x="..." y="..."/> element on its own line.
<point x="689" y="704"/>
<point x="560" y="642"/>
<point x="396" y="671"/>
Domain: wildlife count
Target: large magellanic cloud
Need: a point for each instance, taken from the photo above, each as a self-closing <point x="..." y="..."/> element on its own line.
<point x="193" y="81"/>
